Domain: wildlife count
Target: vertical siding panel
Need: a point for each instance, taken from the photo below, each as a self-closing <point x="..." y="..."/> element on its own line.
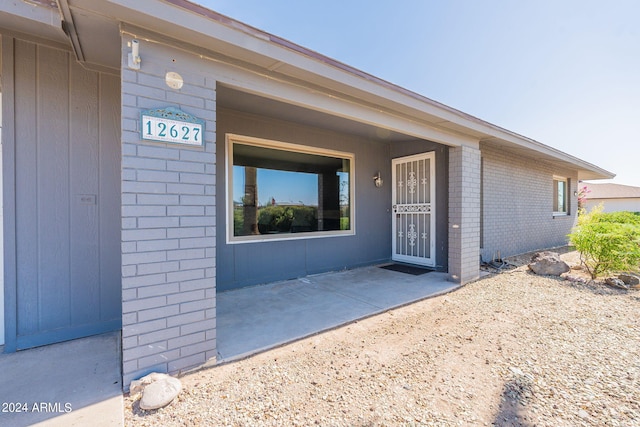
<point x="83" y="180"/>
<point x="7" y="52"/>
<point x="26" y="189"/>
<point x="67" y="254"/>
<point x="53" y="184"/>
<point x="109" y="205"/>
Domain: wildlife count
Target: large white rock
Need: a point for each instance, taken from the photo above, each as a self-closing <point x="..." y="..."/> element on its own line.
<point x="157" y="389"/>
<point x="137" y="386"/>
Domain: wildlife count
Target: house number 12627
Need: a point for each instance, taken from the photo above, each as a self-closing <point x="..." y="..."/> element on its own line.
<point x="166" y="130"/>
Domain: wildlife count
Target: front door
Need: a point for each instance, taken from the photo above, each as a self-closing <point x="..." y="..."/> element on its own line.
<point x="413" y="199"/>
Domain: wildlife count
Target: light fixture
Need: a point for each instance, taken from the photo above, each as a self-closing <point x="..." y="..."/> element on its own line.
<point x="377" y="180"/>
<point x="134" y="55"/>
<point x="173" y="80"/>
<point x="575" y="193"/>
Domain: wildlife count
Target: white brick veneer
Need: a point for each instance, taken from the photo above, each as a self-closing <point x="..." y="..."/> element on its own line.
<point x="518" y="204"/>
<point x="168" y="222"/>
<point x="464" y="213"/>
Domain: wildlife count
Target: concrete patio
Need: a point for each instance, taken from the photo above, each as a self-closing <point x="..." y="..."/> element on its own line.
<point x="74" y="383"/>
<point x="78" y="382"/>
<point x="257" y="318"/>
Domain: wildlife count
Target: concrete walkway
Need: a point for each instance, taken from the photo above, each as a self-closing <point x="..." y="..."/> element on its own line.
<point x="257" y="318"/>
<point x="74" y="383"/>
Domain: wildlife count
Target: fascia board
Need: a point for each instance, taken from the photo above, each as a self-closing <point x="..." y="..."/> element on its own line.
<point x="246" y="43"/>
<point x="32" y="20"/>
<point x="588" y="169"/>
<point x="255" y="80"/>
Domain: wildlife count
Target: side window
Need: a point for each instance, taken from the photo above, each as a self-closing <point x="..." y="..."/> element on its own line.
<point x="560" y="196"/>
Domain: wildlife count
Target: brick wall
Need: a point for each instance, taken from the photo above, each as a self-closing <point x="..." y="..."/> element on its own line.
<point x="168" y="221"/>
<point x="464" y="213"/>
<point x="517" y="203"/>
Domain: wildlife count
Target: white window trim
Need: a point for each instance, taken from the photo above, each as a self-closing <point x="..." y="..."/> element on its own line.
<point x="230" y="138"/>
<point x="567" y="199"/>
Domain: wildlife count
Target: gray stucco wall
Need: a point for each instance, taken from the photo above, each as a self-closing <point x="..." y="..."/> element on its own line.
<point x="408" y="148"/>
<point x="517" y="204"/>
<point x="168" y="220"/>
<point x="243" y="264"/>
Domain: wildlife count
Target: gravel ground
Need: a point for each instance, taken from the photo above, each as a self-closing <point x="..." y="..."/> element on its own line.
<point x="512" y="349"/>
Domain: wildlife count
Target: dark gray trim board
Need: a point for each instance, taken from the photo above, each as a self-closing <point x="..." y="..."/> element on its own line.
<point x="9" y="194"/>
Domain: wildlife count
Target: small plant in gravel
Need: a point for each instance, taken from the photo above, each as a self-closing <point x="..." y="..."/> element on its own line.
<point x="607" y="242"/>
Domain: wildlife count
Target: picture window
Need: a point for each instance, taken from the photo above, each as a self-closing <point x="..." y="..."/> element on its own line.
<point x="278" y="190"/>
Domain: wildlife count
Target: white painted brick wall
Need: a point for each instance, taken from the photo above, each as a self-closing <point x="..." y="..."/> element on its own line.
<point x="464" y="213"/>
<point x="168" y="221"/>
<point x="518" y="204"/>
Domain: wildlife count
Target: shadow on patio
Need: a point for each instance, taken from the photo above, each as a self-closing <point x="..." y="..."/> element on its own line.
<point x="72" y="383"/>
<point x="257" y="318"/>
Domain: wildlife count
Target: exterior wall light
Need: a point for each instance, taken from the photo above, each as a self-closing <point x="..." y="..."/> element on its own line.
<point x="134" y="55"/>
<point x="377" y="180"/>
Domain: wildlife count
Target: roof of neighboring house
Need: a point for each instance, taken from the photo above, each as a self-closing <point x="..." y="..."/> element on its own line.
<point x="611" y="191"/>
<point x="93" y="29"/>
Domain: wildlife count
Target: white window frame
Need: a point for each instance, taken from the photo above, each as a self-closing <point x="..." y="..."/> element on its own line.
<point x="230" y="139"/>
<point x="567" y="201"/>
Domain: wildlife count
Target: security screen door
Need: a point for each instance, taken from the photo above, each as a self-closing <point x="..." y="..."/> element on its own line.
<point x="413" y="201"/>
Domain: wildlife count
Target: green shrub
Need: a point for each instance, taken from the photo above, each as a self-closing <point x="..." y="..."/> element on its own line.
<point x="617" y="217"/>
<point x="287" y="219"/>
<point x="607" y="242"/>
<point x="238" y="222"/>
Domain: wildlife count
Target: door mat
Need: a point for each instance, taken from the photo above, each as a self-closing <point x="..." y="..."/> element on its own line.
<point x="409" y="269"/>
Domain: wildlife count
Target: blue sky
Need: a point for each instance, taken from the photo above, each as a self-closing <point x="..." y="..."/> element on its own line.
<point x="286" y="187"/>
<point x="565" y="73"/>
<point x="279" y="185"/>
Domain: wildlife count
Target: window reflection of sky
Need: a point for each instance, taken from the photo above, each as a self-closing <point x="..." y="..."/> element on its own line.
<point x="284" y="186"/>
<point x="291" y="188"/>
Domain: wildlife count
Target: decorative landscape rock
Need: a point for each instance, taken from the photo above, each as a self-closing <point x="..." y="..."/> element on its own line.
<point x="137" y="386"/>
<point x="548" y="264"/>
<point x="616" y="283"/>
<point x="160" y="393"/>
<point x="575" y="279"/>
<point x="630" y="280"/>
<point x="158" y="390"/>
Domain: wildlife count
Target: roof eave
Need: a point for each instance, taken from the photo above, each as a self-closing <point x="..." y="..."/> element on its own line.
<point x="201" y="26"/>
